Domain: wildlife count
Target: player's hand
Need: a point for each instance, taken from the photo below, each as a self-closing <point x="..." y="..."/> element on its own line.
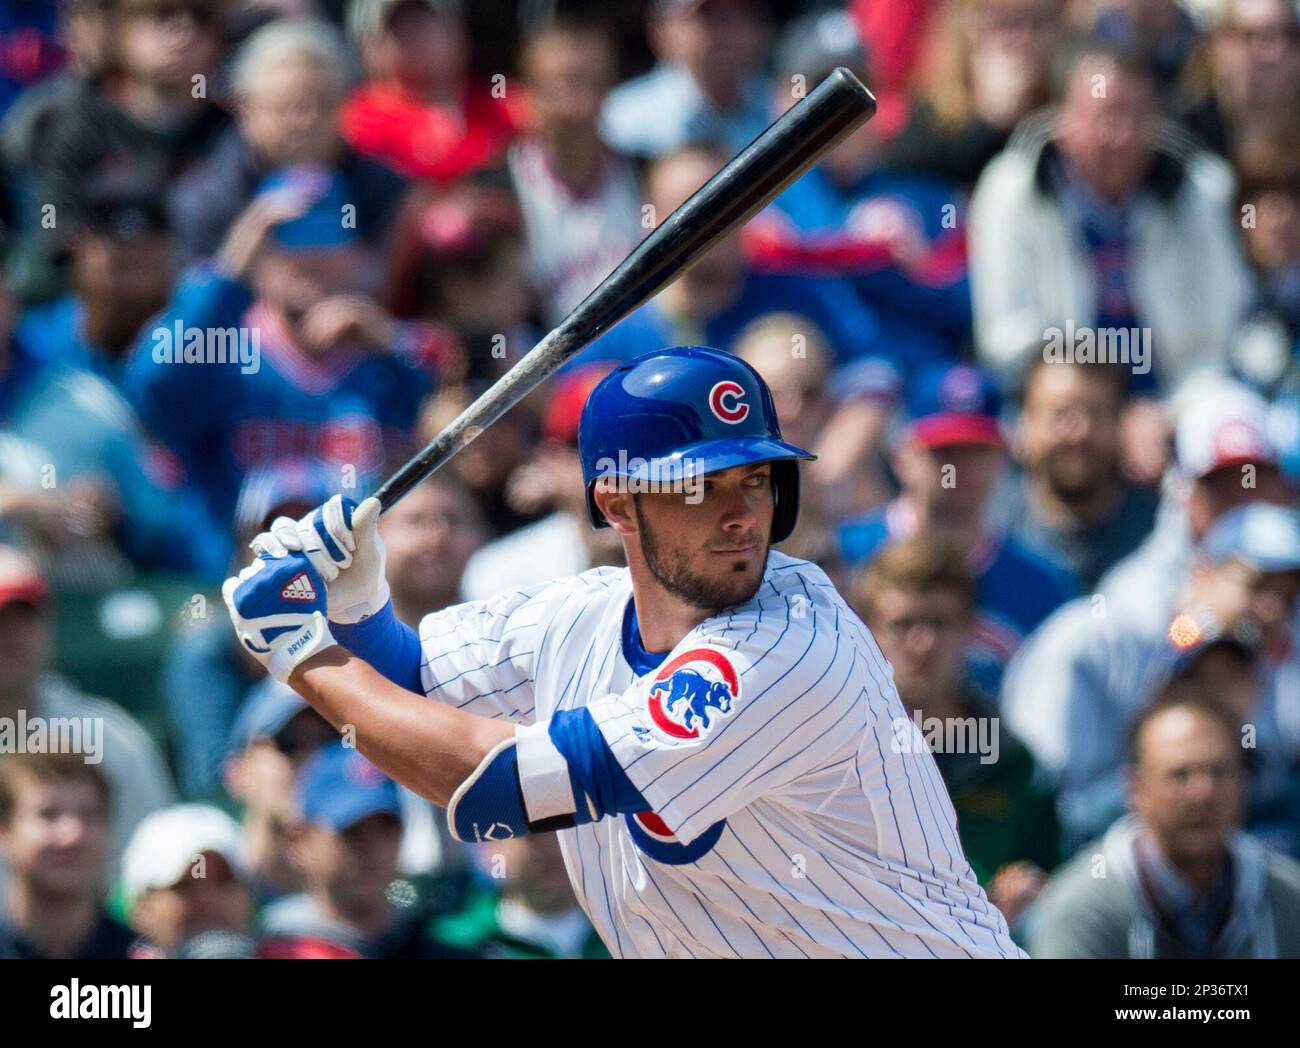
<point x="1014" y="887"/>
<point x="277" y="605"/>
<point x="341" y="540"/>
<point x="348" y="320"/>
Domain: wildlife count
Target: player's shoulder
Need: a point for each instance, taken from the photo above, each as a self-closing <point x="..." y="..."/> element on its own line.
<point x="796" y="609"/>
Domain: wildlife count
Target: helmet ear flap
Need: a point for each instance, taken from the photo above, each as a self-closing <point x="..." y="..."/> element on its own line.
<point x="785" y="495"/>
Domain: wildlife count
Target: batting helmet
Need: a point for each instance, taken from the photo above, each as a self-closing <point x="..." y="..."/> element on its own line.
<point x="682" y="412"/>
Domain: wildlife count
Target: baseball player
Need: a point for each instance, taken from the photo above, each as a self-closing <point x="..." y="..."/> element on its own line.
<point x="711" y="731"/>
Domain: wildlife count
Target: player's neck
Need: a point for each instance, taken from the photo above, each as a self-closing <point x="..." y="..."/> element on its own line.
<point x="662" y="619"/>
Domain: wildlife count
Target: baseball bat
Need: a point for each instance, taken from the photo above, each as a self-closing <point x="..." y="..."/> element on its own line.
<point x="794" y="142"/>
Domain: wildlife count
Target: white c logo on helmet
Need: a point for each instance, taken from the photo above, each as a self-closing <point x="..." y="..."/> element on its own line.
<point x="726" y="401"/>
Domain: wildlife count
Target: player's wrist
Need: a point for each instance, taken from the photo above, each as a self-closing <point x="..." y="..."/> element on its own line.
<point x="348" y="608"/>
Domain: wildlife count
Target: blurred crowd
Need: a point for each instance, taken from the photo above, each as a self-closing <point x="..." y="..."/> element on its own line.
<point x="1039" y="319"/>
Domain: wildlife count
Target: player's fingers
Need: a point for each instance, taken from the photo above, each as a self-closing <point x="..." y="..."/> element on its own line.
<point x="365" y="519"/>
<point x="285" y="531"/>
<point x="267" y="544"/>
<point x="337" y="517"/>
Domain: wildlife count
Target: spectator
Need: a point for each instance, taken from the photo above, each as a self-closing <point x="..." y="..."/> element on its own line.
<point x="54" y="826"/>
<point x="918" y="597"/>
<point x="987" y="68"/>
<point x="347" y="848"/>
<point x="1161" y="31"/>
<point x="420" y="110"/>
<point x="1096" y="219"/>
<point x="31" y="46"/>
<point x="712" y="301"/>
<point x="184" y="876"/>
<point x="274" y="735"/>
<point x="431" y="536"/>
<point x="137" y="778"/>
<point x="563" y="542"/>
<point x="1070" y="503"/>
<point x="288" y="82"/>
<point x="31" y="121"/>
<point x="706" y="85"/>
<point x="840" y="416"/>
<point x="80" y="488"/>
<point x="898" y="31"/>
<point x="533" y="915"/>
<point x="206" y="674"/>
<point x="1226" y="457"/>
<point x="581" y="201"/>
<point x="309" y="365"/>
<point x="121" y="273"/>
<point x="1269" y="197"/>
<point x="899" y="238"/>
<point x="485" y="466"/>
<point x="1181" y="879"/>
<point x="459" y="263"/>
<point x="151" y="117"/>
<point x="948" y="460"/>
<point x="1253" y="83"/>
<point x="1075" y="688"/>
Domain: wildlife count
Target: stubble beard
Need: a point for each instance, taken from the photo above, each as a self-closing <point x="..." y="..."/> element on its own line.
<point x="671" y="569"/>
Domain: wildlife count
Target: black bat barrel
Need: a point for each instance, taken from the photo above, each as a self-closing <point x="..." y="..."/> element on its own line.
<point x="796" y="141"/>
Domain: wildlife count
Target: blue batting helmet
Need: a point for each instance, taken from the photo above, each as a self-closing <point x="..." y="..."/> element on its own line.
<point x="685" y="411"/>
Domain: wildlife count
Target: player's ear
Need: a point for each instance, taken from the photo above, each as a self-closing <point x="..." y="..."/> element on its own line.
<point x="616" y="503"/>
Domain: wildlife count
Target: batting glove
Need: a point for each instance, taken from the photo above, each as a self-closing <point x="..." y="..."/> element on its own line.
<point x="341" y="539"/>
<point x="278" y="607"/>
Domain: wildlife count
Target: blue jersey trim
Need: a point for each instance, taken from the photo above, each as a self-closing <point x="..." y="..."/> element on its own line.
<point x="641" y="661"/>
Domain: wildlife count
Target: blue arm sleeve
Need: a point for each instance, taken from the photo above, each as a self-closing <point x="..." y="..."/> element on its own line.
<point x="390" y="646"/>
<point x="490" y="804"/>
<point x="594" y="773"/>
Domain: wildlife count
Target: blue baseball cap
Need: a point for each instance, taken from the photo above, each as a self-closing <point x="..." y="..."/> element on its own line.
<point x="954" y="404"/>
<point x="267" y="708"/>
<point x="1263" y="535"/>
<point x="322" y="225"/>
<point x="338" y="788"/>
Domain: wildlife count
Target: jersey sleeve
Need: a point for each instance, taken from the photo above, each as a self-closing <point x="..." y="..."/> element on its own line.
<point x="482" y="656"/>
<point x="742" y="712"/>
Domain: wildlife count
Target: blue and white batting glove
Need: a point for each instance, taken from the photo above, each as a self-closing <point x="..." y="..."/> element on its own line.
<point x="278" y="607"/>
<point x="341" y="539"/>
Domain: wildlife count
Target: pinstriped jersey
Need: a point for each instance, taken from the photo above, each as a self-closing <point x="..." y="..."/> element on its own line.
<point x="794" y="807"/>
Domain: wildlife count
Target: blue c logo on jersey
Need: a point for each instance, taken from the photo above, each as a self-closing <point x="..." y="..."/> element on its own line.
<point x="692" y="693"/>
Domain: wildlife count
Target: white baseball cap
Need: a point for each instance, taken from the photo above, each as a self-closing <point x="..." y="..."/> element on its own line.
<point x="164" y="846"/>
<point x="1221" y="427"/>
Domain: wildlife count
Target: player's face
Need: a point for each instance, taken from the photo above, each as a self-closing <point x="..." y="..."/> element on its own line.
<point x="1188" y="786"/>
<point x="709" y="549"/>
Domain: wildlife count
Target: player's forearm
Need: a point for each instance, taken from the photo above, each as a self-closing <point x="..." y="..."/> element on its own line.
<point x="427" y="746"/>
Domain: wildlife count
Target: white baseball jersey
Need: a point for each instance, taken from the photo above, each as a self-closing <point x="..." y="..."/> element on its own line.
<point x="787" y="820"/>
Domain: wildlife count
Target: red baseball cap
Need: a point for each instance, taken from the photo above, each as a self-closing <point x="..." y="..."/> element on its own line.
<point x="20" y="580"/>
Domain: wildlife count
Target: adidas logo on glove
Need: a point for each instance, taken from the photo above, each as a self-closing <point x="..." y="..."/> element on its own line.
<point x="299" y="588"/>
